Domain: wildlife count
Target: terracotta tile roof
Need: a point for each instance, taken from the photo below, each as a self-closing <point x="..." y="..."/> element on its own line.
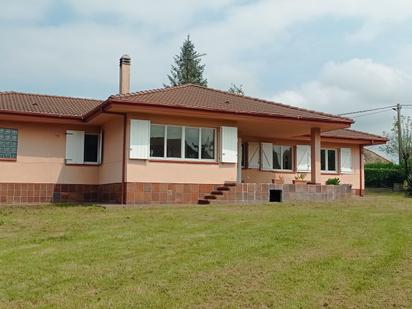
<point x="201" y="98"/>
<point x="352" y="134"/>
<point x="46" y="105"/>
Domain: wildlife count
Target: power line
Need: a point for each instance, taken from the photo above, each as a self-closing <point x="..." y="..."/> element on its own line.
<point x="369" y="110"/>
<point x="369" y="114"/>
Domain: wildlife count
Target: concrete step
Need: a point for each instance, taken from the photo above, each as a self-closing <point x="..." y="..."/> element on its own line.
<point x="223" y="188"/>
<point x="217" y="192"/>
<point x="210" y="197"/>
<point x="203" y="202"/>
<point x="230" y="184"/>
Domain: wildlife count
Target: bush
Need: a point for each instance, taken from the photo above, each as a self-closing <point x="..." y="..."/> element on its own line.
<point x="382" y="165"/>
<point x="383" y="177"/>
<point x="333" y="181"/>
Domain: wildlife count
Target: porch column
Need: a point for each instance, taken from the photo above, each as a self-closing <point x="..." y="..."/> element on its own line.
<point x="315" y="155"/>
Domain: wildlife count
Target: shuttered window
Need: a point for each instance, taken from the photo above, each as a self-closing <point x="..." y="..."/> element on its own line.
<point x="282" y="157"/>
<point x="229" y="147"/>
<point x="253" y="155"/>
<point x="328" y="160"/>
<point x="139" y="139"/>
<point x="303" y="158"/>
<point x="346" y="160"/>
<point x="266" y="156"/>
<point x="83" y="148"/>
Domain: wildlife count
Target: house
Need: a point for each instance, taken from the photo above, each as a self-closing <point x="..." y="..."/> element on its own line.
<point x="180" y="144"/>
<point x="373" y="157"/>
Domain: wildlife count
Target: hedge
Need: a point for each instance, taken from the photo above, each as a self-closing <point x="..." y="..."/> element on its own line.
<point x="383" y="177"/>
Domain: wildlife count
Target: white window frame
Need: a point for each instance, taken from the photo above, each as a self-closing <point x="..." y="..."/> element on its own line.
<point x="281" y="158"/>
<point x="327" y="162"/>
<point x="98" y="148"/>
<point x="182" y="146"/>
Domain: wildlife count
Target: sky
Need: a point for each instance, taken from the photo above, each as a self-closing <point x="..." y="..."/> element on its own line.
<point x="334" y="56"/>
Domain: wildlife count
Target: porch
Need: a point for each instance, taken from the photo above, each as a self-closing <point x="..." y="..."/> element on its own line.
<point x="268" y="192"/>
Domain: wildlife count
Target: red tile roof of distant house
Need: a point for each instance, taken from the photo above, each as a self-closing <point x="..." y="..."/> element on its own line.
<point x="352" y="134"/>
<point x="46" y="105"/>
<point x="196" y="97"/>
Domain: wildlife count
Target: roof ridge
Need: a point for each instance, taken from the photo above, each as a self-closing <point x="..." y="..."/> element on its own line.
<point x="49" y="95"/>
<point x="271" y="102"/>
<point x="149" y="91"/>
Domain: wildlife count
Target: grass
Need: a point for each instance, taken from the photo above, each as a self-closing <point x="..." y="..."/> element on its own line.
<point x="355" y="254"/>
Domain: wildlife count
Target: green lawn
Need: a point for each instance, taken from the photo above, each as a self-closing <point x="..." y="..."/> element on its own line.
<point x="355" y="254"/>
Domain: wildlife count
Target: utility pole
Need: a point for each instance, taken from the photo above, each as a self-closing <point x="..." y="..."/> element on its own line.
<point x="398" y="111"/>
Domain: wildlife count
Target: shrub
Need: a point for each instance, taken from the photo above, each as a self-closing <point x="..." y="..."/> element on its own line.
<point x="333" y="181"/>
<point x="383" y="177"/>
<point x="382" y="165"/>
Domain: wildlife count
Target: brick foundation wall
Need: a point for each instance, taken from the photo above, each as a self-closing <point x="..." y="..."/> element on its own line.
<point x="259" y="192"/>
<point x="21" y="193"/>
<point x="163" y="193"/>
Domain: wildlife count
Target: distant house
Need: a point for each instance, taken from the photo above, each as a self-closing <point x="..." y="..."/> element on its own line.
<point x="181" y="144"/>
<point x="373" y="157"/>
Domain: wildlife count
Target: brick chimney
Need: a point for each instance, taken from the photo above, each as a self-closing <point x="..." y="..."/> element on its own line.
<point x="124" y="78"/>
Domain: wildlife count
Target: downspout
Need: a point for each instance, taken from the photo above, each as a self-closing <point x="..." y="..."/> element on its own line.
<point x="361" y="170"/>
<point x="123" y="199"/>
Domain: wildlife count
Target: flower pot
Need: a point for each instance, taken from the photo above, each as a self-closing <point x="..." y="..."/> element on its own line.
<point x="300" y="182"/>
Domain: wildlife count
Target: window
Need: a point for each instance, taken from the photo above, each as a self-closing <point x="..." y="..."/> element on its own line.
<point x="328" y="160"/>
<point x="174" y="142"/>
<point x="91" y="148"/>
<point x="157" y="141"/>
<point x="208" y="143"/>
<point x="83" y="148"/>
<point x="192" y="143"/>
<point x="182" y="142"/>
<point x="282" y="157"/>
<point x="8" y="143"/>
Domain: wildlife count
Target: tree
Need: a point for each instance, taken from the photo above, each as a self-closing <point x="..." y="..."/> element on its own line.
<point x="402" y="146"/>
<point x="236" y="89"/>
<point x="187" y="68"/>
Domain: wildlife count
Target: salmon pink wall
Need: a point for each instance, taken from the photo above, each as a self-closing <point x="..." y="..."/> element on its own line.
<point x="110" y="170"/>
<point x="40" y="156"/>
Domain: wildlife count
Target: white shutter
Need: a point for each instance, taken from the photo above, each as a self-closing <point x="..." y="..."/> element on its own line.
<point x="139" y="139"/>
<point x="253" y="155"/>
<point x="303" y="158"/>
<point x="74" y="147"/>
<point x="266" y="156"/>
<point x="229" y="144"/>
<point x="345" y="160"/>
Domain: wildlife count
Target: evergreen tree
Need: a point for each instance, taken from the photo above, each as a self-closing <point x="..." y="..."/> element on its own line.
<point x="187" y="68"/>
<point x="236" y="89"/>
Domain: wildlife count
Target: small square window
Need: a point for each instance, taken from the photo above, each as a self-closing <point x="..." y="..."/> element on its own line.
<point x="8" y="143"/>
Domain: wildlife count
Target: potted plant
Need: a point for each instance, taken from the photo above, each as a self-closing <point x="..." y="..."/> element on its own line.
<point x="300" y="179"/>
<point x="333" y="181"/>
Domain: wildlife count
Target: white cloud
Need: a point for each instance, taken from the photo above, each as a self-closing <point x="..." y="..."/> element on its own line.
<point x="354" y="85"/>
<point x="85" y="49"/>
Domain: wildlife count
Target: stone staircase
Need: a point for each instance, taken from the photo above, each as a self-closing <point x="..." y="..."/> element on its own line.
<point x="218" y="195"/>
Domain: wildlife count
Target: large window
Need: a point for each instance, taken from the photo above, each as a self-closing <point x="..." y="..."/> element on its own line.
<point x="177" y="142"/>
<point x="328" y="160"/>
<point x="282" y="157"/>
<point x="8" y="143"/>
